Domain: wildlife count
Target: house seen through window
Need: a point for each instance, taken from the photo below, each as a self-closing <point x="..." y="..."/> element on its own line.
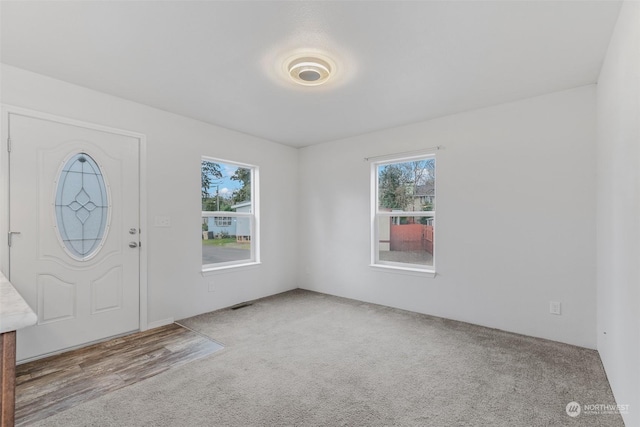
<point x="404" y="208"/>
<point x="229" y="225"/>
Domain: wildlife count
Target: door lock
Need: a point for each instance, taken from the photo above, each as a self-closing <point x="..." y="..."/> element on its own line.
<point x="133" y="244"/>
<point x="133" y="230"/>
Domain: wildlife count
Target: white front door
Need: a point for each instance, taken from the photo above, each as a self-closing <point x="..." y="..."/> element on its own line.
<point x="74" y="224"/>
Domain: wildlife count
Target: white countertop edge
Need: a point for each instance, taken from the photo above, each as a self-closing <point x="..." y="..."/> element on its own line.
<point x="15" y="313"/>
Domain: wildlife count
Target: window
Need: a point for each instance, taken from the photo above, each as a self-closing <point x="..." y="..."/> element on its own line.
<point x="222" y="221"/>
<point x="403" y="213"/>
<point x="229" y="214"/>
<point x="81" y="207"/>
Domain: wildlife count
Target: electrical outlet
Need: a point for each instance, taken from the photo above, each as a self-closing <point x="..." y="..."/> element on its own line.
<point x="555" y="307"/>
<point x="162" y="221"/>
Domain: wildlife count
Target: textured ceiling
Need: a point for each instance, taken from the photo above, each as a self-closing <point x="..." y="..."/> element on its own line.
<point x="398" y="62"/>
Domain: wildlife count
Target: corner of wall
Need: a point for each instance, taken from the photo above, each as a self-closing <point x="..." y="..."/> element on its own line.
<point x="618" y="212"/>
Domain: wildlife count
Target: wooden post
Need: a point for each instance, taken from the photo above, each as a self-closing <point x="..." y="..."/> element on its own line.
<point x="7" y="378"/>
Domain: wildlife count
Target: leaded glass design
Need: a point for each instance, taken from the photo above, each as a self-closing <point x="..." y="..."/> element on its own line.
<point x="82" y="206"/>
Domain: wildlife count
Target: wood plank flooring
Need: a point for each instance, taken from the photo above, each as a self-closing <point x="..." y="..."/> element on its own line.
<point x="47" y="386"/>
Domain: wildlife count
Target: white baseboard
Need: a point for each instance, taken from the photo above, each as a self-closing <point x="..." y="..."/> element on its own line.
<point x="158" y="323"/>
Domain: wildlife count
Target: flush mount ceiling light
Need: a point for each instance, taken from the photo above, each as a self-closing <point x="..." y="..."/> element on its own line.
<point x="309" y="70"/>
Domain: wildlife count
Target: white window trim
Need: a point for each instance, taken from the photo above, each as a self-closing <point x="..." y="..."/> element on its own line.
<point x="229" y="269"/>
<point x="387" y="266"/>
<point x="254" y="215"/>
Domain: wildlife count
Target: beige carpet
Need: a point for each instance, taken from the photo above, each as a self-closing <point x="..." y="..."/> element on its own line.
<point x="307" y="359"/>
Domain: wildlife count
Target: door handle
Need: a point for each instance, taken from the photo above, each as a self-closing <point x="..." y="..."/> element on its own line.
<point x="133" y="244"/>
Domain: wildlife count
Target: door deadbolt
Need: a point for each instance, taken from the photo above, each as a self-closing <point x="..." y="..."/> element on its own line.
<point x="133" y="230"/>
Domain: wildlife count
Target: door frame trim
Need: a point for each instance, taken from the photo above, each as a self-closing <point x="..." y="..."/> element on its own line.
<point x="7" y="111"/>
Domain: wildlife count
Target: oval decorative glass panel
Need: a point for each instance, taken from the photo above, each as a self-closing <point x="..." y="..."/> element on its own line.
<point x="82" y="207"/>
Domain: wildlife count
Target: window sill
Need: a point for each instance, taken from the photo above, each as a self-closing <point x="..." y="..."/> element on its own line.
<point x="404" y="270"/>
<point x="230" y="268"/>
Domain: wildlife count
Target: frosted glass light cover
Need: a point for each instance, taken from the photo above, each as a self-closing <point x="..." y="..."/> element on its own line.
<point x="81" y="207"/>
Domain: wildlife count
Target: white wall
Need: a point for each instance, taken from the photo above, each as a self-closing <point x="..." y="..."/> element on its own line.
<point x="618" y="269"/>
<point x="515" y="217"/>
<point x="175" y="145"/>
<point x="515" y="210"/>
